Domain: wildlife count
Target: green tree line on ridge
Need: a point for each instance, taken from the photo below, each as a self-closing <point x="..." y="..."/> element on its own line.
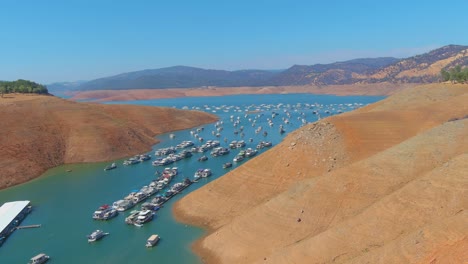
<point x="22" y="86"/>
<point x="455" y="74"/>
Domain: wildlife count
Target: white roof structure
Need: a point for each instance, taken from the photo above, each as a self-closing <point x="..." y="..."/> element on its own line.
<point x="9" y="211"/>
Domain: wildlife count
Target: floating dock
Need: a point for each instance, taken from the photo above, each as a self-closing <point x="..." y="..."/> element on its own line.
<point x="11" y="215"/>
<point x="28" y="226"/>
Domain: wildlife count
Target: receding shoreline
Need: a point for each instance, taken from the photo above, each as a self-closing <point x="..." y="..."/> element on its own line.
<point x="145" y="94"/>
<point x="204" y="254"/>
<point x="415" y="123"/>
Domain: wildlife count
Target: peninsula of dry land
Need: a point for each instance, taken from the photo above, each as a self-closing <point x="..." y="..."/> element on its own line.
<point x="387" y="183"/>
<point x="39" y="132"/>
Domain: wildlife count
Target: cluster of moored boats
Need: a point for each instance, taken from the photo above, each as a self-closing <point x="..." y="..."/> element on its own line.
<point x="137" y="159"/>
<point x="171" y="158"/>
<point x="219" y="151"/>
<point x="152" y="196"/>
<point x="169" y="155"/>
<point x="148" y="209"/>
<point x="237" y="144"/>
<point x="249" y="152"/>
<point x="106" y="212"/>
<point x="160" y="189"/>
<point x="264" y="144"/>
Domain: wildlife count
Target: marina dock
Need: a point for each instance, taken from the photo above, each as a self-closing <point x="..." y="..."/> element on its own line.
<point x="28" y="226"/>
<point x="11" y="215"/>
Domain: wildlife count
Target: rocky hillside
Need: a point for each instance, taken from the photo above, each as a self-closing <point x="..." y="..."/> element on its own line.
<point x="424" y="68"/>
<point x="41" y="132"/>
<point x="328" y="74"/>
<point x="383" y="184"/>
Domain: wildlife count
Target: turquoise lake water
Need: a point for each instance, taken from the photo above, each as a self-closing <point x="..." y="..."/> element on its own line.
<point x="63" y="202"/>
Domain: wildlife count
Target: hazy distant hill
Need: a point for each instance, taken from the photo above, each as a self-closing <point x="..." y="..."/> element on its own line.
<point x="60" y="87"/>
<point x="181" y="77"/>
<point x="424" y="68"/>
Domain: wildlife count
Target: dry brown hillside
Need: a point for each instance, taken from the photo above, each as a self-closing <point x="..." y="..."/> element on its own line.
<point x="40" y="132"/>
<point x="384" y="184"/>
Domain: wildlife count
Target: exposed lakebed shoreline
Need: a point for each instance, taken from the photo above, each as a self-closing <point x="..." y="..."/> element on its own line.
<point x="329" y="188"/>
<point x="145" y="94"/>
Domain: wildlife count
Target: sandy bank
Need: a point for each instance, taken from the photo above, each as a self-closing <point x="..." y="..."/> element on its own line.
<point x="141" y="94"/>
<point x="41" y="132"/>
<point x="376" y="185"/>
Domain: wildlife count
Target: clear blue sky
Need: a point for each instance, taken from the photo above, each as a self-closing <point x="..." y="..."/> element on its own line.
<point x="58" y="40"/>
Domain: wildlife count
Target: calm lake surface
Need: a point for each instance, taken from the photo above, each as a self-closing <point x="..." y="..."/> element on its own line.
<point x="63" y="202"/>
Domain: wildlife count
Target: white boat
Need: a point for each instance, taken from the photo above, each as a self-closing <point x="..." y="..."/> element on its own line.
<point x="240" y="144"/>
<point x="143" y="217"/>
<point x="131" y="161"/>
<point x="152" y="240"/>
<point x="250" y="152"/>
<point x="198" y="174"/>
<point x="203" y="158"/>
<point x="238" y="158"/>
<point x="139" y="197"/>
<point x="105" y="212"/>
<point x="130" y="220"/>
<point x="143" y="157"/>
<point x="96" y="235"/>
<point x="206" y="173"/>
<point x="39" y="259"/>
<point x="110" y="167"/>
<point x="123" y="205"/>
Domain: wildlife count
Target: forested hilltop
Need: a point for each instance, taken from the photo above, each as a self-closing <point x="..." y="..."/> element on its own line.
<point x="22" y="86"/>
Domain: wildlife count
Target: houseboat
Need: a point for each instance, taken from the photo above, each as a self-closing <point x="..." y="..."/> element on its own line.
<point x="39" y="259"/>
<point x="152" y="241"/>
<point x="105" y="212"/>
<point x="143" y="217"/>
<point x="110" y="167"/>
<point x="96" y="235"/>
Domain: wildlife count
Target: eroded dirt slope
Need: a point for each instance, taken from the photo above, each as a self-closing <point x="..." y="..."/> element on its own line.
<point x="40" y="132"/>
<point x="363" y="184"/>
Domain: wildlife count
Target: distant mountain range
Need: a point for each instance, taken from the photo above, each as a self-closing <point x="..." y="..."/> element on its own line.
<point x="424" y="68"/>
<point x="180" y="77"/>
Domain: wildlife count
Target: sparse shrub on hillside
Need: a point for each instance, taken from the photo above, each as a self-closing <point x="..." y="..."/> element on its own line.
<point x="455" y="74"/>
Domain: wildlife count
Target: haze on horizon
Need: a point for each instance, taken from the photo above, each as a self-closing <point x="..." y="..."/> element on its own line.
<point x="82" y="40"/>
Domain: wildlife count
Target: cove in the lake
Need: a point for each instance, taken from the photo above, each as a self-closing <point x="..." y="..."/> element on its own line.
<point x="65" y="197"/>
